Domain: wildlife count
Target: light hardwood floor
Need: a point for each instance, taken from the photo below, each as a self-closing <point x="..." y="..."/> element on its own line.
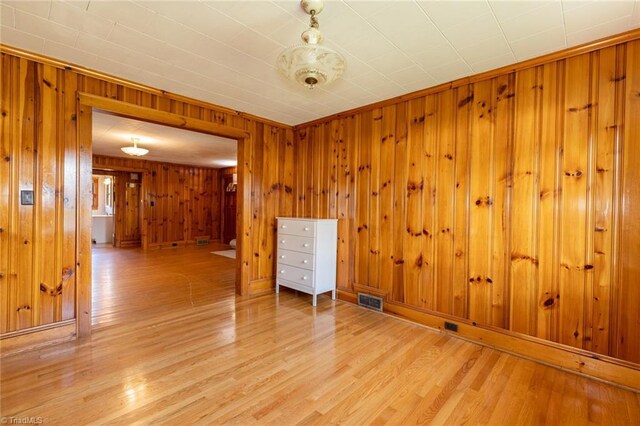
<point x="171" y="344"/>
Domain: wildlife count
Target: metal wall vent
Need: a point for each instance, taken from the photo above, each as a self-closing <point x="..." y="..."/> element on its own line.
<point x="371" y="302"/>
<point x="202" y="241"/>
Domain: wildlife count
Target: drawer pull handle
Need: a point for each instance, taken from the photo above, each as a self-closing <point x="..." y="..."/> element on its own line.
<point x="306" y="228"/>
<point x="304" y="277"/>
<point x="283" y="226"/>
<point x="305" y="261"/>
<point x="282" y="271"/>
<point x="282" y="257"/>
<point x="305" y="245"/>
<point x="283" y="241"/>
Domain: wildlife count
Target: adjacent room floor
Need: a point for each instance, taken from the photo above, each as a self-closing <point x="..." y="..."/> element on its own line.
<point x="172" y="344"/>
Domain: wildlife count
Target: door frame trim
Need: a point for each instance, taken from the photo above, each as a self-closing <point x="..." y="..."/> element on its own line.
<point x="86" y="103"/>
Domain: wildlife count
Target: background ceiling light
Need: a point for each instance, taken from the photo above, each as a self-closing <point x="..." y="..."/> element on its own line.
<point x="134" y="150"/>
<point x="310" y="63"/>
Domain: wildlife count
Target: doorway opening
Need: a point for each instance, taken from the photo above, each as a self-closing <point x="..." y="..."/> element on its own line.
<point x="102" y="210"/>
<point x="159" y="225"/>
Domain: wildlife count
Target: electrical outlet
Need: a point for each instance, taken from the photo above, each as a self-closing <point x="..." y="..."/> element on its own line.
<point x="450" y="326"/>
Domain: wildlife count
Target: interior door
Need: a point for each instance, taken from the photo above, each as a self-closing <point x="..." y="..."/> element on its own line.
<point x="127" y="209"/>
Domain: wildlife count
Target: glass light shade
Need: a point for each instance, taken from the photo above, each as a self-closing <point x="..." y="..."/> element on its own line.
<point x="134" y="150"/>
<point x="311" y="64"/>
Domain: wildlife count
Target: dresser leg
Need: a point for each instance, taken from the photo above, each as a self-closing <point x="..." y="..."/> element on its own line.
<point x="333" y="294"/>
<point x="315" y="299"/>
<point x="277" y="288"/>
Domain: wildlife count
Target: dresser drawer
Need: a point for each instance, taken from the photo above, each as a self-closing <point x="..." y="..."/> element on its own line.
<point x="296" y="227"/>
<point x="294" y="242"/>
<point x="297" y="275"/>
<point x="296" y="258"/>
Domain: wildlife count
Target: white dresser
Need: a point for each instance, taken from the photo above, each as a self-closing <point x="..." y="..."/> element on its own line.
<point x="306" y="256"/>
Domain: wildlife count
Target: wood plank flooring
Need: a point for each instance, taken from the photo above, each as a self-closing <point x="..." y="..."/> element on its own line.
<point x="172" y="344"/>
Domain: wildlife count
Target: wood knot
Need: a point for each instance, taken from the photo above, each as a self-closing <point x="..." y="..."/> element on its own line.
<point x="465" y="101"/>
<point x="484" y="201"/>
<point x="577" y="173"/>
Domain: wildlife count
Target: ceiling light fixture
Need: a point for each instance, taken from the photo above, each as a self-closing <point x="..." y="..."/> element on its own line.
<point x="134" y="150"/>
<point x="311" y="64"/>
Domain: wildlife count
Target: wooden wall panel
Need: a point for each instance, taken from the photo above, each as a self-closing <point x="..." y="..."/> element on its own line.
<point x="627" y="344"/>
<point x="39" y="244"/>
<point x="445" y="184"/>
<point x="547" y="295"/>
<point x="513" y="202"/>
<point x="6" y="191"/>
<point x="399" y="202"/>
<point x="427" y="286"/>
<point x="460" y="230"/>
<point x="524" y="256"/>
<point x="503" y="93"/>
<point x="575" y="170"/>
<point x="482" y="202"/>
<point x="413" y="235"/>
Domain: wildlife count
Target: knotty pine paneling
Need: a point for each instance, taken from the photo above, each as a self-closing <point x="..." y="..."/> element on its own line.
<point x="512" y="201"/>
<point x="40" y="150"/>
<point x="186" y="199"/>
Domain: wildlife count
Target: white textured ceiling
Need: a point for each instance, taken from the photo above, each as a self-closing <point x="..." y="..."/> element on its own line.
<point x="224" y="51"/>
<point x="110" y="133"/>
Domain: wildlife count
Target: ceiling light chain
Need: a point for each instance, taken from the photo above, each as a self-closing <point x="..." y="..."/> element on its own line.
<point x="310" y="63"/>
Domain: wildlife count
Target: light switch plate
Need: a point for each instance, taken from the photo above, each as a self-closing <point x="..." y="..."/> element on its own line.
<point x="26" y="197"/>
